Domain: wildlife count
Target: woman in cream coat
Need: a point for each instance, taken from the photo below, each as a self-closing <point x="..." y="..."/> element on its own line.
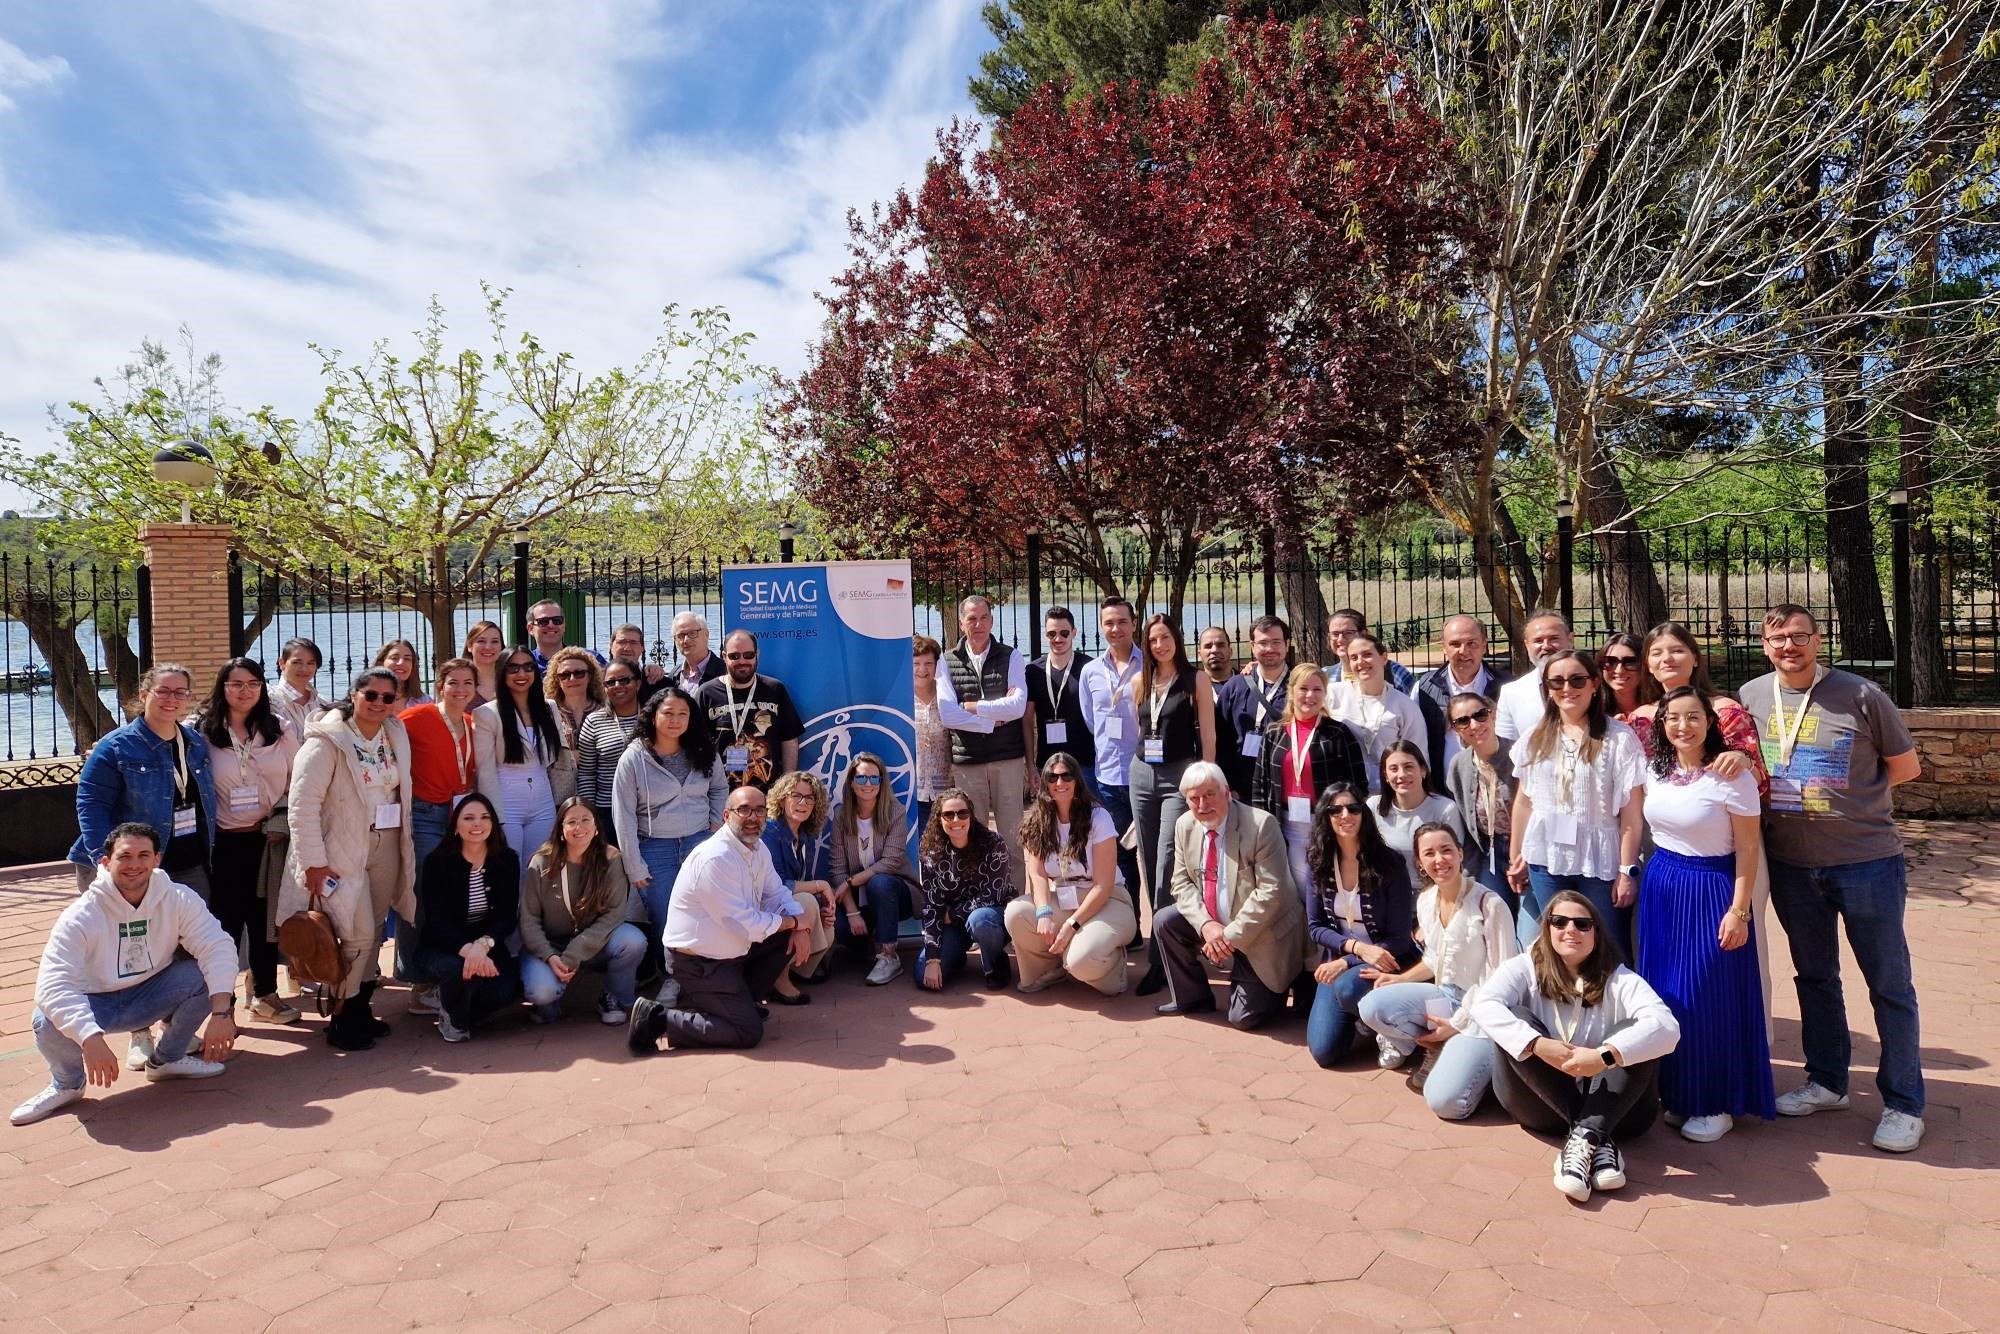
<point x="350" y="815"/>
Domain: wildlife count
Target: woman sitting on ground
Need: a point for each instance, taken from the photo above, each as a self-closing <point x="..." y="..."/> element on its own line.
<point x="796" y="837"/>
<point x="967" y="882"/>
<point x="573" y="899"/>
<point x="470" y="903"/>
<point x="871" y="863"/>
<point x="1361" y="914"/>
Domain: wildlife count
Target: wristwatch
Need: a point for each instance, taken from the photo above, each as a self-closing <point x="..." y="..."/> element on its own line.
<point x="1608" y="1056"/>
<point x="1629" y="871"/>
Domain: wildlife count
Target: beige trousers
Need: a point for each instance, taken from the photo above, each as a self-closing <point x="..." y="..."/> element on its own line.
<point x="996" y="793"/>
<point x="1096" y="953"/>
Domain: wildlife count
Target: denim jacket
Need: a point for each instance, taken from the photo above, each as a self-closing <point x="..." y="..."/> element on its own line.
<point x="130" y="776"/>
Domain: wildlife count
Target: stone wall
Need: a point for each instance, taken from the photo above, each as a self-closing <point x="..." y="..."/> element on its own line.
<point x="1960" y="749"/>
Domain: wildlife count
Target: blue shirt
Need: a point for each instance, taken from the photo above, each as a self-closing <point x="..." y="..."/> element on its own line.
<point x="1107" y="697"/>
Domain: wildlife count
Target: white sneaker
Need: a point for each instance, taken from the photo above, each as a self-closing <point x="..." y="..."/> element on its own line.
<point x="1707" y="1129"/>
<point x="187" y="1067"/>
<point x="888" y="967"/>
<point x="1808" y="1098"/>
<point x="46" y="1103"/>
<point x="1899" y="1132"/>
<point x="1387" y="1054"/>
<point x="424" y="1000"/>
<point x="451" y="1032"/>
<point x="1572" y="1176"/>
<point x="1044" y="982"/>
<point x="609" y="1012"/>
<point x="140" y="1054"/>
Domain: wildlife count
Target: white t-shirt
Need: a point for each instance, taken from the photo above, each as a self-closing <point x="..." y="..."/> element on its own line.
<point x="1692" y="818"/>
<point x="1061" y="868"/>
<point x="1520" y="707"/>
<point x="864" y="833"/>
<point x="1378" y="722"/>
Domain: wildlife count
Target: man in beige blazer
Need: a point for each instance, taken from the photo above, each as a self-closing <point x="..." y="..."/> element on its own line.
<point x="1234" y="905"/>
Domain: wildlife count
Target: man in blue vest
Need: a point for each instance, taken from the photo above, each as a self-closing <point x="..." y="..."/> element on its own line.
<point x="982" y="695"/>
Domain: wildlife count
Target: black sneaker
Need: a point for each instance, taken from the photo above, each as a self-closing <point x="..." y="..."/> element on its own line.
<point x="1607" y="1167"/>
<point x="648" y="1023"/>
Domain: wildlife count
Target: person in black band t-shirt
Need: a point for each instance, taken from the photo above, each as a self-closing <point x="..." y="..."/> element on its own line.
<point x="756" y="727"/>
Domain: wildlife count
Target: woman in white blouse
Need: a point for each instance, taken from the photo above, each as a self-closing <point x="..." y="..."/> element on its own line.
<point x="1578" y="803"/>
<point x="1577" y="1041"/>
<point x="1378" y="715"/>
<point x="1406" y="803"/>
<point x="518" y="742"/>
<point x="1468" y="932"/>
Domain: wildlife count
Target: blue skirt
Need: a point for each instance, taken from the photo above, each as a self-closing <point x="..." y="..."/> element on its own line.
<point x="1723" y="1062"/>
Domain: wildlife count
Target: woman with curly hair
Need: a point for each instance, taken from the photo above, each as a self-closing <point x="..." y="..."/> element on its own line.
<point x="967" y="882"/>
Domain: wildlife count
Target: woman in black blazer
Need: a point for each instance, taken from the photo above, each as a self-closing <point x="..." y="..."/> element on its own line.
<point x="469" y="904"/>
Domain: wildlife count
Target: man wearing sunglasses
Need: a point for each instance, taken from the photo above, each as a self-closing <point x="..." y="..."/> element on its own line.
<point x="1055" y="696"/>
<point x="546" y="623"/>
<point x="1835" y="747"/>
<point x="756" y="725"/>
<point x="1464" y="673"/>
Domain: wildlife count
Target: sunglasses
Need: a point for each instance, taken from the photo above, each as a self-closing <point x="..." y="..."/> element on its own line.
<point x="1567" y="682"/>
<point x="1059" y="634"/>
<point x="1558" y="922"/>
<point x="613" y="682"/>
<point x="514" y="667"/>
<point x="376" y="696"/>
<point x="547" y="620"/>
<point x="955" y="815"/>
<point x="867" y="780"/>
<point x="1618" y="664"/>
<point x="1343" y="808"/>
<point x="1478" y="715"/>
<point x="1062" y="776"/>
<point x="739" y="657"/>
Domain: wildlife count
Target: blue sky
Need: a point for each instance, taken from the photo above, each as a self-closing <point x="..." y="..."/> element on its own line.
<point x="269" y="175"/>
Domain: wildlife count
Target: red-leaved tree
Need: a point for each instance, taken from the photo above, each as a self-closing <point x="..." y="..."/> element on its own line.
<point x="1147" y="317"/>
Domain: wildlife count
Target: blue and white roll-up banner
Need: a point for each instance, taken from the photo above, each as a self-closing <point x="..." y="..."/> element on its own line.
<point x="837" y="633"/>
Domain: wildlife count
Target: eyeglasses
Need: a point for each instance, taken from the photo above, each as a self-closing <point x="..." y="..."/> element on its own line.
<point x="955" y="815"/>
<point x="169" y="692"/>
<point x="1797" y="639"/>
<point x="867" y="780"/>
<point x="1062" y="776"/>
<point x="251" y="684"/>
<point x="686" y="632"/>
<point x="1618" y="664"/>
<point x="1567" y="682"/>
<point x="514" y="667"/>
<point x="1558" y="922"/>
<point x="1479" y="715"/>
<point x="739" y="657"/>
<point x="573" y="674"/>
<point x="1341" y="809"/>
<point x="747" y="810"/>
<point x="376" y="696"/>
<point x="546" y="620"/>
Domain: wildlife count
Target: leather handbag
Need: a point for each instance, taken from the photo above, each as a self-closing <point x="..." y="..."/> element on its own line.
<point x="312" y="948"/>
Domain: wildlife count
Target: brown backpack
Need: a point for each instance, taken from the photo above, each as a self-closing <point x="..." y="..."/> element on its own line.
<point x="312" y="948"/>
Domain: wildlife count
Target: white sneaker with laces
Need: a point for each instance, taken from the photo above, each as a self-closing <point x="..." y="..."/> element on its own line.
<point x="1386" y="1054"/>
<point x="46" y="1103"/>
<point x="1607" y="1167"/>
<point x="187" y="1067"/>
<point x="1899" y="1132"/>
<point x="1808" y="1098"/>
<point x="1707" y="1129"/>
<point x="140" y="1054"/>
<point x="424" y="1000"/>
<point x="888" y="967"/>
<point x="1573" y="1164"/>
<point x="1044" y="982"/>
<point x="451" y="1032"/>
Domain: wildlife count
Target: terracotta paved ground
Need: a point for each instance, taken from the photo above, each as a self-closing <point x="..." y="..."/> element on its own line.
<point x="975" y="1161"/>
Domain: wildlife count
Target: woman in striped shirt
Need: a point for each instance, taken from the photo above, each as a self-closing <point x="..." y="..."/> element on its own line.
<point x="470" y="899"/>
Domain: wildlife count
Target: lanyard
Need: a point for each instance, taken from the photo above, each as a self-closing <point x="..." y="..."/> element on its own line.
<point x="1158" y="698"/>
<point x="246" y="770"/>
<point x="1788" y="735"/>
<point x="1569" y="1029"/>
<point x="182" y="783"/>
<point x="1264" y="695"/>
<point x="739" y="713"/>
<point x="1054" y="685"/>
<point x="461" y="746"/>
<point x="1301" y="756"/>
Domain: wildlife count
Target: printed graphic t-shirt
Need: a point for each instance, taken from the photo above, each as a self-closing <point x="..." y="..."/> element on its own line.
<point x="1829" y="805"/>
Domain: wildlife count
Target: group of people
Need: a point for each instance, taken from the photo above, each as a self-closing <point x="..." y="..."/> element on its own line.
<point x="1454" y="867"/>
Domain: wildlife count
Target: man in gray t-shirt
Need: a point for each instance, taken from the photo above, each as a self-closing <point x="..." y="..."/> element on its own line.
<point x="1835" y="746"/>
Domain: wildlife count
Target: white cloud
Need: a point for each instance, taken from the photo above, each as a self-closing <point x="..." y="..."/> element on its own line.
<point x="21" y="72"/>
<point x="499" y="142"/>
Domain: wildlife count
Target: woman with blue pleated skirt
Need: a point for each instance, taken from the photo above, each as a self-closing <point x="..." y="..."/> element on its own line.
<point x="1695" y="921"/>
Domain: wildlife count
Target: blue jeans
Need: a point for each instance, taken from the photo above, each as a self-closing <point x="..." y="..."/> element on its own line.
<point x="1336" y="1011"/>
<point x="663" y="858"/>
<point x="618" y="961"/>
<point x="888" y="903"/>
<point x="1117" y="799"/>
<point x="177" y="993"/>
<point x="983" y="926"/>
<point x="1812" y="902"/>
<point x="1492" y="873"/>
<point x="1458" y="1082"/>
<point x="1544" y="885"/>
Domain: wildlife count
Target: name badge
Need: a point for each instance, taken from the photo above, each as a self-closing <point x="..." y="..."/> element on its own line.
<point x="1066" y="897"/>
<point x="184" y="821"/>
<point x="1058" y="733"/>
<point x="389" y="815"/>
<point x="736" y="758"/>
<point x="1114" y="728"/>
<point x="1299" y="810"/>
<point x="1153" y="750"/>
<point x="1253" y="745"/>
<point x="1562" y="828"/>
<point x="243" y="797"/>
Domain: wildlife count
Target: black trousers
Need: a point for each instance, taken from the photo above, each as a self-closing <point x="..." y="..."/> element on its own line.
<point x="1251" y="1003"/>
<point x="467" y="1001"/>
<point x="1620" y="1105"/>
<point x="232" y="897"/>
<point x="713" y="1002"/>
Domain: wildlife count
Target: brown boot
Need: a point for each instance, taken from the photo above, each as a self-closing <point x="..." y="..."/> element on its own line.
<point x="1423" y="1072"/>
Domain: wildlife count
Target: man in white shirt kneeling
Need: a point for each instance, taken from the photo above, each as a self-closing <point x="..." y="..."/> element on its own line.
<point x="110" y="967"/>
<point x="732" y="928"/>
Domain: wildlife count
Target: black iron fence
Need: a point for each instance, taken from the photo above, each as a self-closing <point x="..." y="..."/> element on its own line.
<point x="74" y="633"/>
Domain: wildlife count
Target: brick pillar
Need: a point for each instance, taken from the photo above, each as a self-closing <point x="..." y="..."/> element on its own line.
<point x="190" y="570"/>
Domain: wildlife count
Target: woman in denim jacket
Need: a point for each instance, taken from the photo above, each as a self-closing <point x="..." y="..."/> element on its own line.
<point x="154" y="770"/>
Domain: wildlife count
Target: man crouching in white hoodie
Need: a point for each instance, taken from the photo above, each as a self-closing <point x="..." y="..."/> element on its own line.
<point x="109" y="967"/>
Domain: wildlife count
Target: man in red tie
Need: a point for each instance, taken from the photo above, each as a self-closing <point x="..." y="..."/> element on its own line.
<point x="1234" y="906"/>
